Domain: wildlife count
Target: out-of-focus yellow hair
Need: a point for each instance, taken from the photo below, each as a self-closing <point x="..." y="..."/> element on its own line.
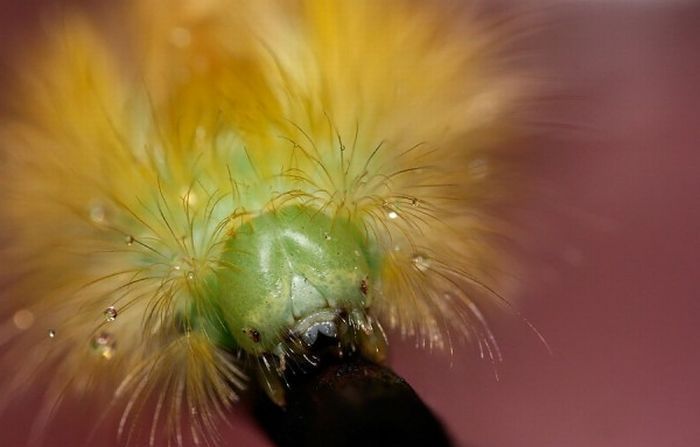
<point x="132" y="151"/>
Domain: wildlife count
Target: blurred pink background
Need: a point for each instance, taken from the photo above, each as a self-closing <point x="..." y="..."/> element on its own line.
<point x="615" y="238"/>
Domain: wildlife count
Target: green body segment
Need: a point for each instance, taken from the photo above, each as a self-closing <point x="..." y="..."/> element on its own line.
<point x="285" y="265"/>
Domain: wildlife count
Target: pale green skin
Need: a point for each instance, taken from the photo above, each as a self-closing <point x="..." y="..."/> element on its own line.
<point x="285" y="265"/>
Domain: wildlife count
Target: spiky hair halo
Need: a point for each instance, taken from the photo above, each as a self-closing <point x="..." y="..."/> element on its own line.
<point x="152" y="173"/>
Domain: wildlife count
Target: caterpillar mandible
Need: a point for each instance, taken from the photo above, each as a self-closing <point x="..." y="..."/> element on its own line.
<point x="192" y="197"/>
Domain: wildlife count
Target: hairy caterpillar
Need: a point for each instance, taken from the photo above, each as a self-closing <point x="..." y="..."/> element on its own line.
<point x="192" y="198"/>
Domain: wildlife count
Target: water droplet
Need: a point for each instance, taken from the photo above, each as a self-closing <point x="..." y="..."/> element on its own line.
<point x="110" y="313"/>
<point x="23" y="319"/>
<point x="190" y="275"/>
<point x="189" y="196"/>
<point x="129" y="239"/>
<point x="52" y="333"/>
<point x="98" y="213"/>
<point x="104" y="345"/>
<point x="392" y="214"/>
<point x="421" y="262"/>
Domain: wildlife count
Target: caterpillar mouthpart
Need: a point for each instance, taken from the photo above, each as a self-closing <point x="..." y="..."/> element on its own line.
<point x="324" y="336"/>
<point x="322" y="323"/>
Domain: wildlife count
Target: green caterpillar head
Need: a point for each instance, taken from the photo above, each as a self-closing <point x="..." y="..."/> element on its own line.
<point x="294" y="272"/>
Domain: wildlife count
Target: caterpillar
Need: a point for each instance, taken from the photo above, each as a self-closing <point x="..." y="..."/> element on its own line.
<point x="194" y="195"/>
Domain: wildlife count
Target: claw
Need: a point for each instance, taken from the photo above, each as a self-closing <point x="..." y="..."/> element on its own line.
<point x="373" y="343"/>
<point x="270" y="381"/>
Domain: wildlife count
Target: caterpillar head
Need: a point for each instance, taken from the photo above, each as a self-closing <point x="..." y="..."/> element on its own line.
<point x="296" y="273"/>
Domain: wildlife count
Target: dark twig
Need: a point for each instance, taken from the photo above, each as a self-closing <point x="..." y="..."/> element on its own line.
<point x="350" y="403"/>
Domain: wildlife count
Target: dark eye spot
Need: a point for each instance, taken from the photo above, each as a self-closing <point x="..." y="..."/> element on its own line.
<point x="253" y="334"/>
<point x="364" y="287"/>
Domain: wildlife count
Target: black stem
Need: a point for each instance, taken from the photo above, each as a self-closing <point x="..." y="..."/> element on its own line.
<point x="351" y="403"/>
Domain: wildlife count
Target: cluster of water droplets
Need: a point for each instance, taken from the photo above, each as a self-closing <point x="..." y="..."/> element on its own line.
<point x="181" y="264"/>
